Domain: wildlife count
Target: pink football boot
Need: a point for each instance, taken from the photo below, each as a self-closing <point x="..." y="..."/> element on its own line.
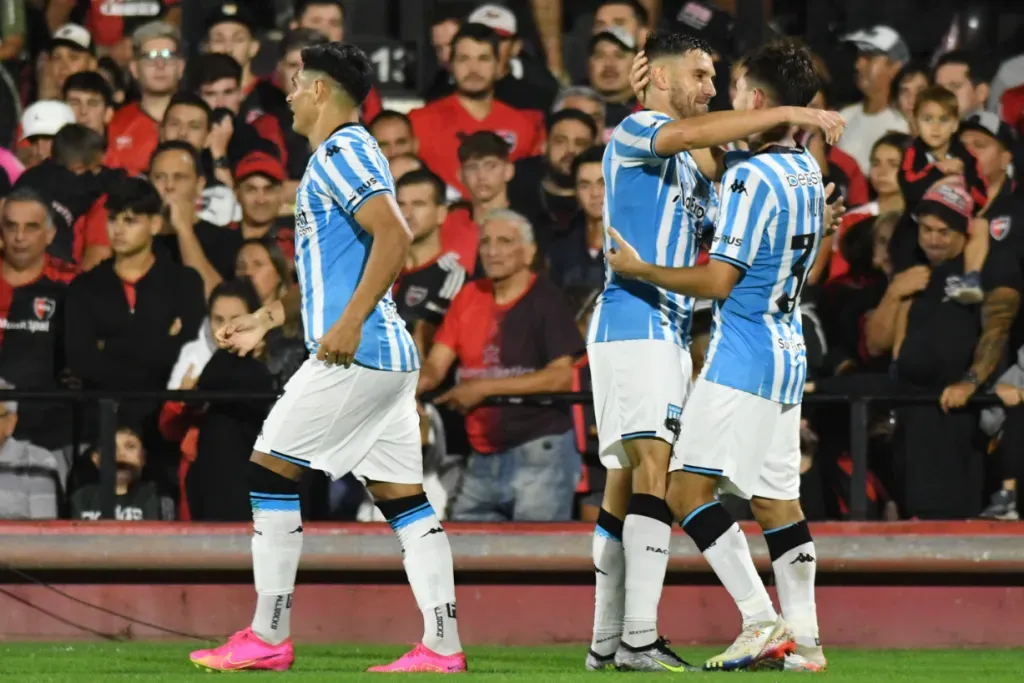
<point x="420" y="659"/>
<point x="245" y="651"/>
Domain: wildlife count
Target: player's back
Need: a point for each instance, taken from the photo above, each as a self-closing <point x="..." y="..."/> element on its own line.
<point x="770" y="227"/>
<point x="661" y="206"/>
<point x="331" y="248"/>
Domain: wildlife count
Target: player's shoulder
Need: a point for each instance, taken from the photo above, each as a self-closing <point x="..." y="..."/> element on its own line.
<point x="638" y="123"/>
<point x="347" y="138"/>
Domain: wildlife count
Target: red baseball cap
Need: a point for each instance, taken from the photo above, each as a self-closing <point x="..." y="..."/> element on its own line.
<point x="260" y="163"/>
<point x="950" y="203"/>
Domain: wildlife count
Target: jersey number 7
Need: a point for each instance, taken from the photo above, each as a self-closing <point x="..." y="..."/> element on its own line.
<point x="799" y="270"/>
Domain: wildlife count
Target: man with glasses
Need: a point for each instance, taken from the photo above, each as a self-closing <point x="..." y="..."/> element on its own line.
<point x="133" y="134"/>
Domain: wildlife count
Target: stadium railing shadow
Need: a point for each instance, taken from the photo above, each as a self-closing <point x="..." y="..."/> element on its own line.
<point x="107" y="403"/>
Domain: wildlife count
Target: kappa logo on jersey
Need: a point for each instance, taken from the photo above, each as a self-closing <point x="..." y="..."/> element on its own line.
<point x="332" y="150"/>
<point x="415" y="295"/>
<point x="999" y="228"/>
<point x="738" y="187"/>
<point x="44" y="307"/>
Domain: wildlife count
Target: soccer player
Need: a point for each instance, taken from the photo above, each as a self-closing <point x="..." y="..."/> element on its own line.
<point x="741" y="427"/>
<point x="658" y="192"/>
<point x="351" y="407"/>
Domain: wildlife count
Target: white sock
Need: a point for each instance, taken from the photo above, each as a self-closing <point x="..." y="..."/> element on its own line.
<point x="794" y="578"/>
<point x="428" y="565"/>
<point x="276" y="547"/>
<point x="645" y="543"/>
<point x="730" y="557"/>
<point x="610" y="591"/>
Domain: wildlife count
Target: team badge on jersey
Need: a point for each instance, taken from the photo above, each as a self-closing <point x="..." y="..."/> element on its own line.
<point x="44" y="307"/>
<point x="415" y="296"/>
<point x="999" y="227"/>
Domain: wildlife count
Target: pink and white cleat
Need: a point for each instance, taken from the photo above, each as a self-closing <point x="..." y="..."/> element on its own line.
<point x="422" y="660"/>
<point x="245" y="651"/>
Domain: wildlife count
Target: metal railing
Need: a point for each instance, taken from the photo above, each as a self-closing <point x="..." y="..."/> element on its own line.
<point x="108" y="401"/>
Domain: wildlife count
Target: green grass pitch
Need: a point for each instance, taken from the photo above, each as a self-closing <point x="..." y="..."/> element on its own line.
<point x="168" y="663"/>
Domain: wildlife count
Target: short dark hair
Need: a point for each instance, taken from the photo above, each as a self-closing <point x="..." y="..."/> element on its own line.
<point x="673" y="44"/>
<point x="980" y="70"/>
<point x="480" y="33"/>
<point x="424" y="176"/>
<point x="571" y="115"/>
<point x="345" y="64"/>
<point x="299" y="38"/>
<point x="451" y="11"/>
<point x="639" y="10"/>
<point x="593" y="155"/>
<point x="238" y="288"/>
<point x="390" y="115"/>
<point x="785" y="71"/>
<point x="77" y="144"/>
<point x="178" y="146"/>
<point x="302" y="5"/>
<point x="90" y="81"/>
<point x="940" y="96"/>
<point x="185" y="98"/>
<point x="133" y="194"/>
<point x="909" y="69"/>
<point x="899" y="141"/>
<point x="214" y="66"/>
<point x="483" y="144"/>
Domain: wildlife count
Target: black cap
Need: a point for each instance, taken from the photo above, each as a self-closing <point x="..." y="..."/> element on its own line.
<point x="993" y="126"/>
<point x="713" y="25"/>
<point x="231" y="13"/>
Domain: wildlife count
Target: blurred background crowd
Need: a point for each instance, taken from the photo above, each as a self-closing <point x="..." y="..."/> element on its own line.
<point x="493" y="117"/>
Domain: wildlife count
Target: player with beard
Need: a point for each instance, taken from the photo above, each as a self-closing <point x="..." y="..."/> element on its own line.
<point x="431" y="277"/>
<point x="658" y="173"/>
<point x="542" y="188"/>
<point x="440" y="125"/>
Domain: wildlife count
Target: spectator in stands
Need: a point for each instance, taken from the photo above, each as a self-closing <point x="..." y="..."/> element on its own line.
<point x="157" y="66"/>
<point x="405" y="163"/>
<point x="290" y="63"/>
<point x="542" y="187"/>
<point x="586" y="100"/>
<point x="943" y="471"/>
<point x="968" y="77"/>
<point x="92" y="100"/>
<point x="881" y="53"/>
<point x="326" y="17"/>
<point x="32" y="289"/>
<point x="486" y="170"/>
<point x="259" y="186"/>
<point x="71" y="52"/>
<point x="576" y="256"/>
<point x="190" y="119"/>
<point x="1006" y="424"/>
<point x="1011" y="108"/>
<point x="231" y="30"/>
<point x="127" y="318"/>
<point x="611" y="57"/>
<point x="628" y="15"/>
<point x="112" y="24"/>
<point x="261" y="262"/>
<point x="136" y="500"/>
<point x="444" y="25"/>
<point x="32" y="479"/>
<point x="440" y="125"/>
<point x="432" y="277"/>
<point x="511" y="333"/>
<point x="908" y="84"/>
<point x="176" y="172"/>
<point x="393" y="132"/>
<point x="39" y="124"/>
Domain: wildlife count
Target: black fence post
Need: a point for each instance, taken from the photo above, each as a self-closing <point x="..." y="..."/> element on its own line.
<point x="108" y="457"/>
<point x="859" y="455"/>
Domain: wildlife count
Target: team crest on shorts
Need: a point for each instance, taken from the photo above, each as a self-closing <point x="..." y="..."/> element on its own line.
<point x="999" y="227"/>
<point x="672" y="419"/>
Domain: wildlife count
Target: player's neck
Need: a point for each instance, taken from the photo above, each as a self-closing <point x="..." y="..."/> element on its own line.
<point x="507" y="290"/>
<point x="154" y="105"/>
<point x="478" y="107"/>
<point x="424" y="250"/>
<point x="498" y="201"/>
<point x="329" y="120"/>
<point x="16" y="277"/>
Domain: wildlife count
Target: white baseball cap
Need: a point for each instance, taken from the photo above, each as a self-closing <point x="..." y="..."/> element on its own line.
<point x="499" y="19"/>
<point x="74" y="36"/>
<point x="45" y="117"/>
<point x="881" y="40"/>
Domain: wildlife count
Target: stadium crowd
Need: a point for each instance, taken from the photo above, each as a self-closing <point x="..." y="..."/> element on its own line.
<point x="499" y="175"/>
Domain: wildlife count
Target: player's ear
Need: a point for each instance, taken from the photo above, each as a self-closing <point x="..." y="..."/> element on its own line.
<point x="659" y="77"/>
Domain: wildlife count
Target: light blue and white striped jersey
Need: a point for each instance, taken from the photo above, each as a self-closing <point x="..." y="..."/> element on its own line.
<point x="331" y="248"/>
<point x="770" y="227"/>
<point x="662" y="207"/>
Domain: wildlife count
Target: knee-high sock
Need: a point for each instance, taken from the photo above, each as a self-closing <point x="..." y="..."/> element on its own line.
<point x="645" y="537"/>
<point x="276" y="547"/>
<point x="795" y="563"/>
<point x="428" y="565"/>
<point x="724" y="546"/>
<point x="609" y="584"/>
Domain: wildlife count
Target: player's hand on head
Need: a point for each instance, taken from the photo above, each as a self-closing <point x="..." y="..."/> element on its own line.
<point x="640" y="76"/>
<point x="830" y="123"/>
<point x="622" y="257"/>
<point x="339" y="345"/>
